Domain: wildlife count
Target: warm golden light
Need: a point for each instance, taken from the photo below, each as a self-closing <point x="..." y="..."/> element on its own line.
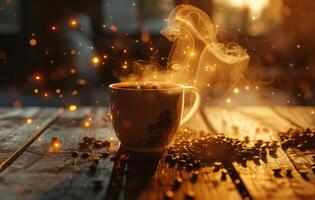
<point x="36" y="91"/>
<point x="73" y="23"/>
<point x="236" y="91"/>
<point x="196" y="53"/>
<point x="56" y="144"/>
<point x="73" y="52"/>
<point x="29" y="121"/>
<point x="32" y="42"/>
<point x="72" y="108"/>
<point x="125" y="65"/>
<point x="58" y="91"/>
<point x="95" y="60"/>
<point x="86" y="124"/>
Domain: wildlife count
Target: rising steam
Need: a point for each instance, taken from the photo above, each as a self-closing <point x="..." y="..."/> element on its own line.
<point x="196" y="56"/>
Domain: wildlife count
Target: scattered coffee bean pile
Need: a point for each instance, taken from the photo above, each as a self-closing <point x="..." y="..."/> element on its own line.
<point x="203" y="149"/>
<point x="91" y="149"/>
<point x="303" y="139"/>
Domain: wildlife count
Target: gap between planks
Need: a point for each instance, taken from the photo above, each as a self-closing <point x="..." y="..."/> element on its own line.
<point x="259" y="118"/>
<point x="29" y="142"/>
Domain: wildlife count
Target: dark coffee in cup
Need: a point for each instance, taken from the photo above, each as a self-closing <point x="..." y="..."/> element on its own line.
<point x="146" y="115"/>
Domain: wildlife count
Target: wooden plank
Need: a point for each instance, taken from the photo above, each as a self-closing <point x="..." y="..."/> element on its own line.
<point x="23" y="112"/>
<point x="13" y="137"/>
<point x="260" y="179"/>
<point x="149" y="177"/>
<point x="18" y="144"/>
<point x="14" y="118"/>
<point x="46" y="173"/>
<point x="298" y="117"/>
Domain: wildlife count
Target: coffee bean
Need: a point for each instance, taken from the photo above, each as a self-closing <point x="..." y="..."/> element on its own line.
<point x="194" y="177"/>
<point x="223" y="176"/>
<point x="210" y="149"/>
<point x="98" y="184"/>
<point x="289" y="173"/>
<point x="177" y="183"/>
<point x="97" y="144"/>
<point x="302" y="139"/>
<point x="93" y="168"/>
<point x="83" y="145"/>
<point x="96" y="159"/>
<point x="105" y="143"/>
<point x="74" y="154"/>
<point x="105" y="155"/>
<point x="85" y="155"/>
<point x="303" y="172"/>
<point x="276" y="172"/>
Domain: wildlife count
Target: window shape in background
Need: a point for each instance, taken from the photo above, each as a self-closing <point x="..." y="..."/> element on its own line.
<point x="136" y="16"/>
<point x="10" y="17"/>
<point x="253" y="17"/>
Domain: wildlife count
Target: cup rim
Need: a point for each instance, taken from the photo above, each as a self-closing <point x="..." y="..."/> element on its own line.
<point x="115" y="85"/>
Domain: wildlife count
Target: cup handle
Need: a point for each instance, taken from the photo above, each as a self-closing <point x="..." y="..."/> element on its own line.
<point x="195" y="106"/>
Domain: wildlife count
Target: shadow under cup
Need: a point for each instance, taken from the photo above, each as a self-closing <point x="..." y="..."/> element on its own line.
<point x="146" y="115"/>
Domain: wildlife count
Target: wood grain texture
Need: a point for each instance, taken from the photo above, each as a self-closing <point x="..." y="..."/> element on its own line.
<point x="257" y="123"/>
<point x="299" y="117"/>
<point x="43" y="174"/>
<point x="13" y="119"/>
<point x="13" y="138"/>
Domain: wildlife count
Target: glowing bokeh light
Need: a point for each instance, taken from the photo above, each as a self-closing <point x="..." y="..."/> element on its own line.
<point x="72" y="107"/>
<point x="32" y="42"/>
<point x="29" y="121"/>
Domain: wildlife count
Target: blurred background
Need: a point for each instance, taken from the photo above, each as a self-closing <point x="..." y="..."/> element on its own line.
<point x="57" y="53"/>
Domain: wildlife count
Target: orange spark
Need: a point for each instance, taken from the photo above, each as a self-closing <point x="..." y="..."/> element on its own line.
<point x="73" y="71"/>
<point x="73" y="23"/>
<point x="32" y="42"/>
<point x="81" y="82"/>
<point x="74" y="92"/>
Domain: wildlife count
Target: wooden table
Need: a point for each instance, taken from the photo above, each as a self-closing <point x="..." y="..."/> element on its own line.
<point x="32" y="169"/>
